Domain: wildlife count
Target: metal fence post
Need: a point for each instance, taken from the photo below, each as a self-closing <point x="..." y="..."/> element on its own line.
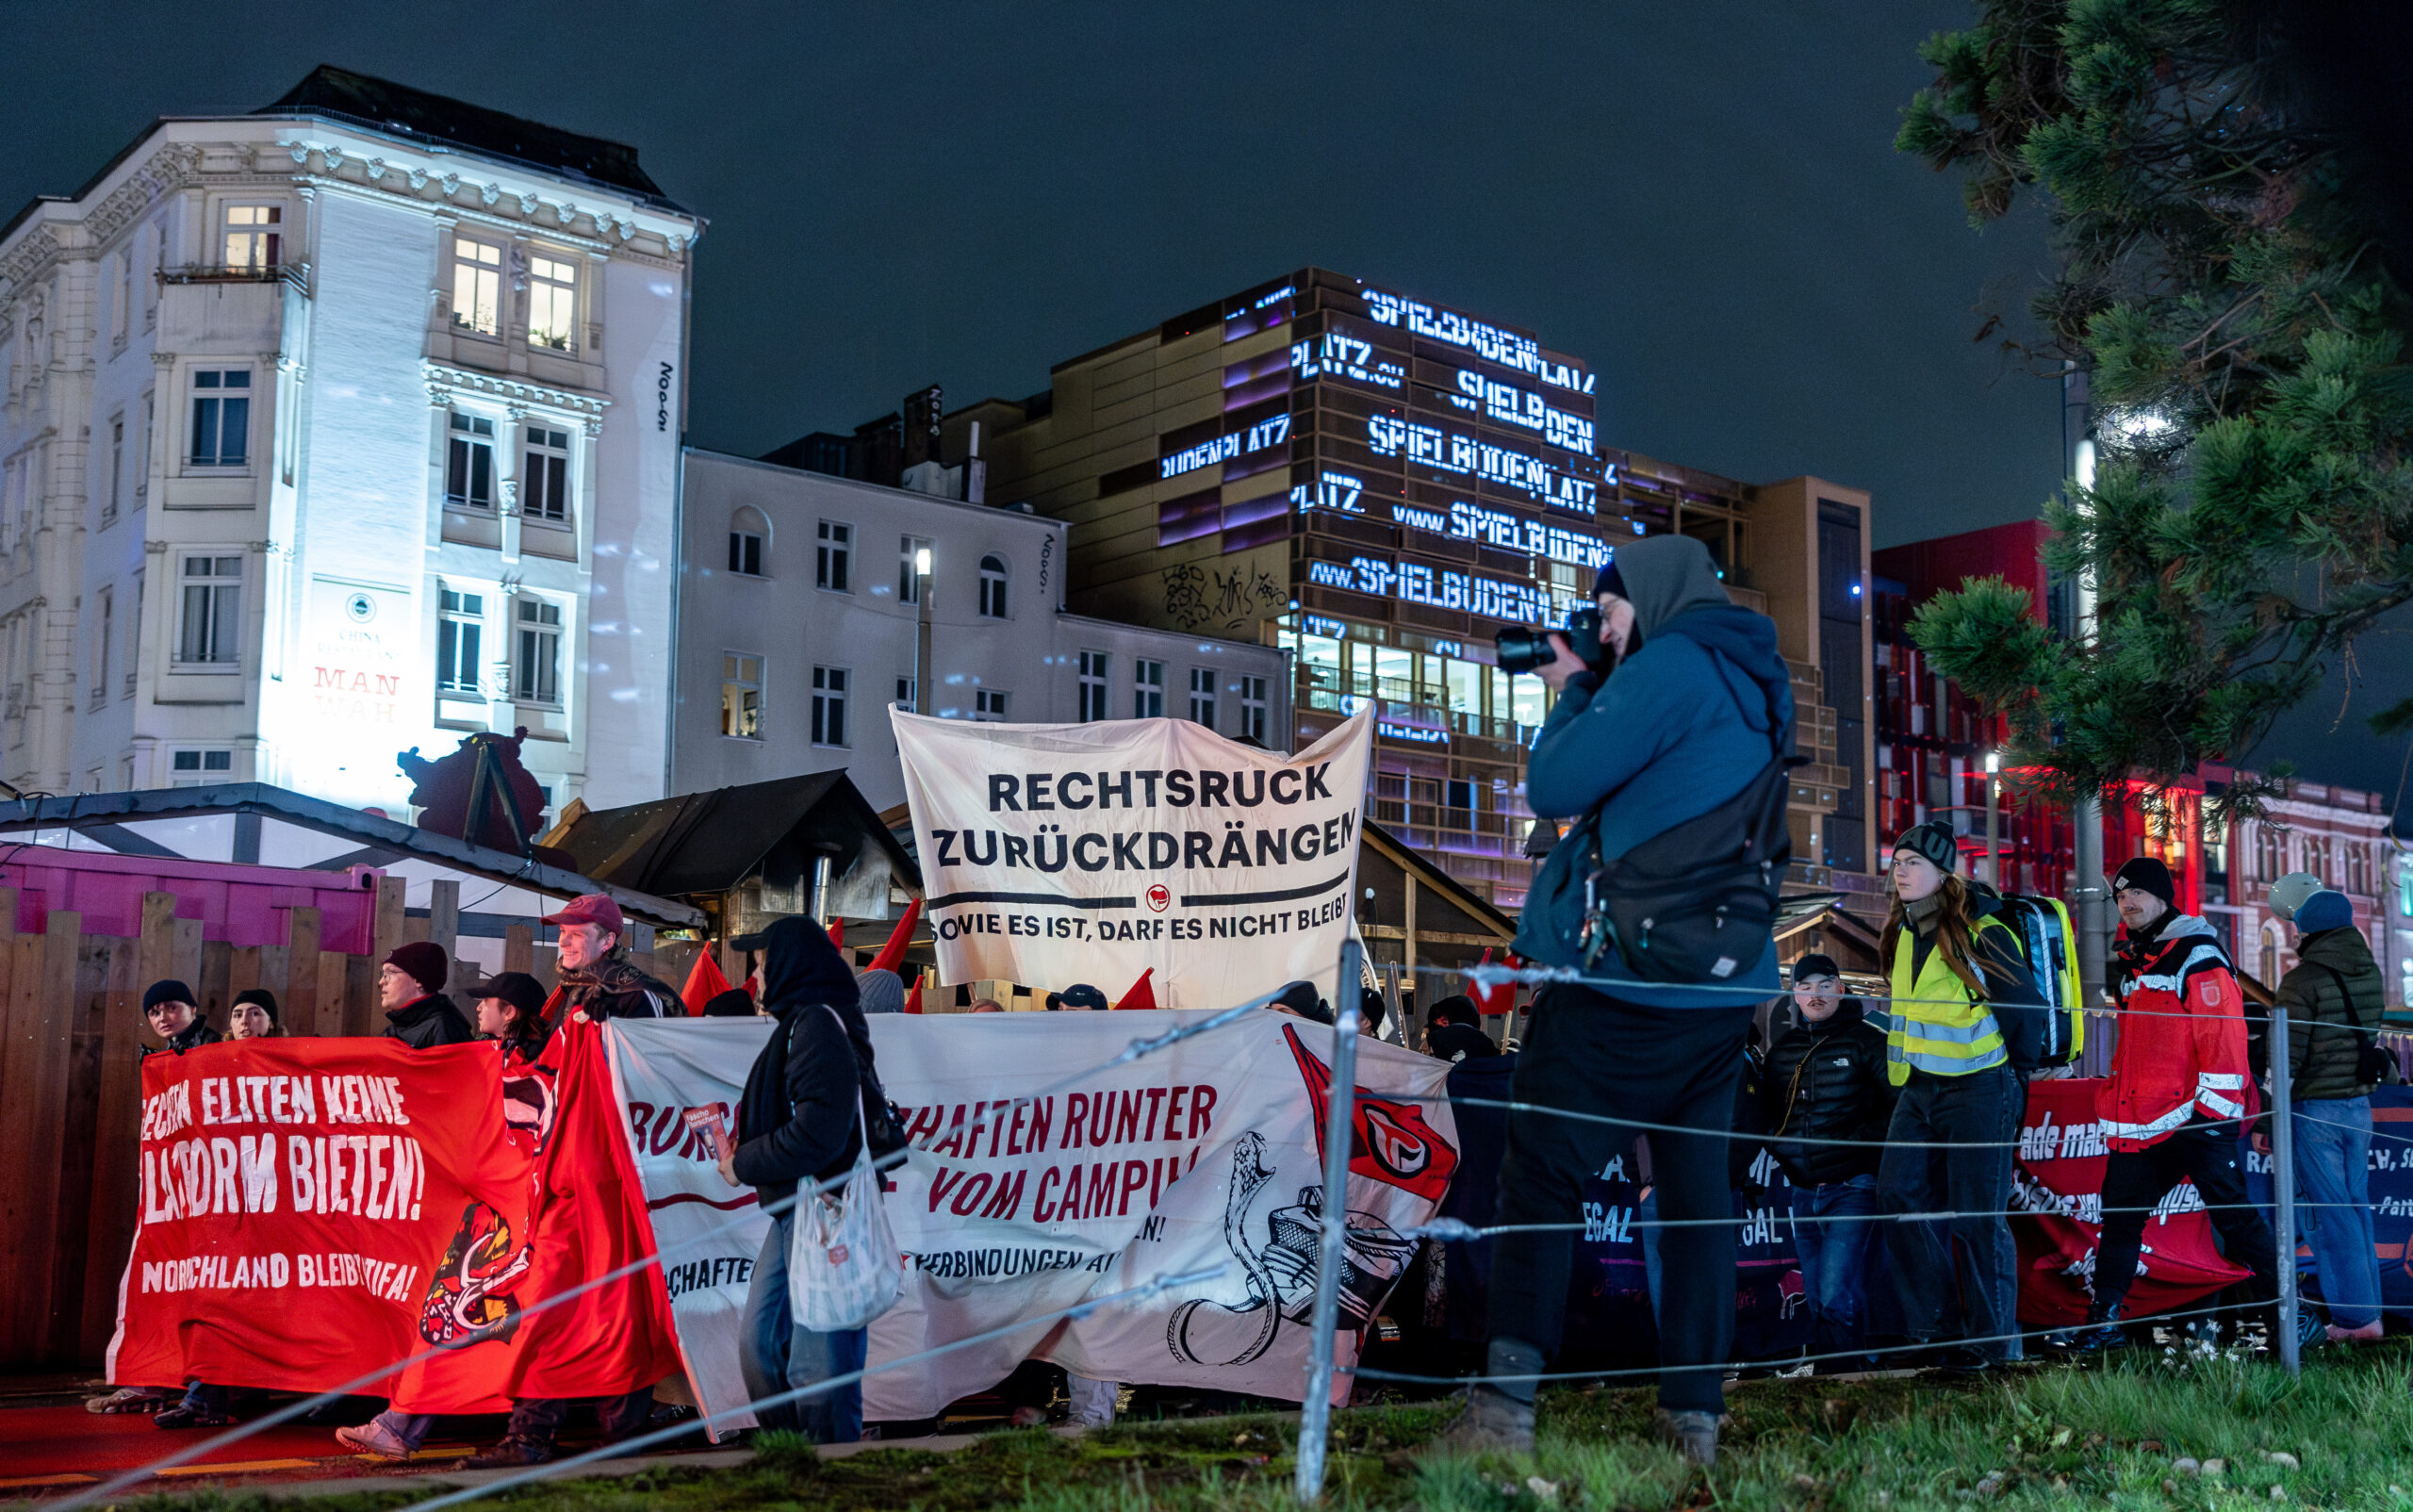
<point x="1340" y="1133"/>
<point x="2283" y="1187"/>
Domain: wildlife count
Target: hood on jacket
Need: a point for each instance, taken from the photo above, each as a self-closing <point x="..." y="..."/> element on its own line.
<point x="1665" y="576"/>
<point x="1675" y="590"/>
<point x="800" y="965"/>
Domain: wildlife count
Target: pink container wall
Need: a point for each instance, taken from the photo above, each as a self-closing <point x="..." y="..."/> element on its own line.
<point x="241" y="904"/>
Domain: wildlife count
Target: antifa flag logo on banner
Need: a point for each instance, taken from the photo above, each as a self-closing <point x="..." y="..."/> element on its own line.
<point x="1393" y="1144"/>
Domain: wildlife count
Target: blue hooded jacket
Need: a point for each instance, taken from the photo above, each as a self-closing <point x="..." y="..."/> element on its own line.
<point x="1681" y="727"/>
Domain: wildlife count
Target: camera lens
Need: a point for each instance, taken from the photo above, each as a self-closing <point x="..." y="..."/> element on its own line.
<point x="1522" y="651"/>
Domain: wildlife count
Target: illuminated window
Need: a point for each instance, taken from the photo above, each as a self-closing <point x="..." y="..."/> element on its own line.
<point x="1147" y="689"/>
<point x="1201" y="697"/>
<point x="747" y="531"/>
<point x="829" y="705"/>
<point x="1255" y="710"/>
<point x="909" y="578"/>
<point x="468" y="463"/>
<point x="987" y="704"/>
<point x="208" y="634"/>
<point x="460" y="624"/>
<point x="741" y="696"/>
<point x="545" y="475"/>
<point x="221" y="419"/>
<point x="993" y="586"/>
<point x="833" y="545"/>
<point x="552" y="301"/>
<point x="537" y="670"/>
<point x="199" y="769"/>
<point x="477" y="286"/>
<point x="1093" y="672"/>
<point x="254" y="236"/>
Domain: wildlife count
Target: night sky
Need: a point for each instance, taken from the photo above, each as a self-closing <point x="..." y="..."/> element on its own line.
<point x="1701" y="200"/>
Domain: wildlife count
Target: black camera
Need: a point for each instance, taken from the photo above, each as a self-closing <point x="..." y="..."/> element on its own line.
<point x="1523" y="650"/>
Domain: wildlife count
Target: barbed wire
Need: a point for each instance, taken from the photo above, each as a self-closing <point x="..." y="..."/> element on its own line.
<point x="1134" y="1050"/>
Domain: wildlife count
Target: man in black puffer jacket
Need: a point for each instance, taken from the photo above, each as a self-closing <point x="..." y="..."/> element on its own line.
<point x="797" y="1124"/>
<point x="1826" y="1080"/>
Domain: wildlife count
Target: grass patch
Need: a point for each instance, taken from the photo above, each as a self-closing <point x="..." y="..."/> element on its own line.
<point x="2042" y="1436"/>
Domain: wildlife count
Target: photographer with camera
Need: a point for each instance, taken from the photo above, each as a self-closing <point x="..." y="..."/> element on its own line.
<point x="1673" y="724"/>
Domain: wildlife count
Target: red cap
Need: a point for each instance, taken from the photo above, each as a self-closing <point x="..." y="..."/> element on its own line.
<point x="592" y="907"/>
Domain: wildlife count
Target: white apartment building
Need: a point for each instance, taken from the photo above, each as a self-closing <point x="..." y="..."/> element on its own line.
<point x="2338" y="834"/>
<point x="343" y="427"/>
<point x="798" y="625"/>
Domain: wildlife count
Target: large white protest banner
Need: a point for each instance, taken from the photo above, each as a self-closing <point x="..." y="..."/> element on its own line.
<point x="1056" y="854"/>
<point x="1205" y="1156"/>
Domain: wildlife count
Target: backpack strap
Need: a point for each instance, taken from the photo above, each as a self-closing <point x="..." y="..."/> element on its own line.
<point x="2354" y="1020"/>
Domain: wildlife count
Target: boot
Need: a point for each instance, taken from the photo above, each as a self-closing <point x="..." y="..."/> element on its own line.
<point x="511" y="1453"/>
<point x="1491" y="1423"/>
<point x="1693" y="1435"/>
<point x="2102" y="1331"/>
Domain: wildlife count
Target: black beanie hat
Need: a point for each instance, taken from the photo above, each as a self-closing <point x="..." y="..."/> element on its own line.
<point x="167" y="991"/>
<point x="265" y="998"/>
<point x="1455" y="1009"/>
<point x="1814" y="965"/>
<point x="2146" y="875"/>
<point x="518" y="989"/>
<point x="423" y="962"/>
<point x="734" y="1003"/>
<point x="1303" y="999"/>
<point x="1934" y="841"/>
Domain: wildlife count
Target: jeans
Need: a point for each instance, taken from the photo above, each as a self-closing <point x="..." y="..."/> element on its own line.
<point x="1982" y="1109"/>
<point x="1589" y="1053"/>
<point x="2333" y="1137"/>
<point x="1833" y="1226"/>
<point x="2134" y="1181"/>
<point x="776" y="1355"/>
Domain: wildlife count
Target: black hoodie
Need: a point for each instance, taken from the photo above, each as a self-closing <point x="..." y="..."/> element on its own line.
<point x="797" y="1121"/>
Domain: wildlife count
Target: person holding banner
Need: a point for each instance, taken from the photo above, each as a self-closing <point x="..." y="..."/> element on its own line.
<point x="595" y="978"/>
<point x="253" y="1015"/>
<point x="167" y="1005"/>
<point x="811" y="1092"/>
<point x="410" y="988"/>
<point x="1694" y="702"/>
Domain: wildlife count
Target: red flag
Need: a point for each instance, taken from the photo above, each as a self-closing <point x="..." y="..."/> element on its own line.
<point x="1142" y="992"/>
<point x="914" y="998"/>
<point x="891" y="955"/>
<point x="838" y="933"/>
<point x="704" y="983"/>
<point x="1499" y="999"/>
<point x="1391" y="1143"/>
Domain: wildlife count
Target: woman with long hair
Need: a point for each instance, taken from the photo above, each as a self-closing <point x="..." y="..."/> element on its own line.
<point x="1967" y="1028"/>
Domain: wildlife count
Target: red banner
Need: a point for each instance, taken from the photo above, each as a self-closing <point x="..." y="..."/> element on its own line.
<point x="2056" y="1198"/>
<point x="296" y="1198"/>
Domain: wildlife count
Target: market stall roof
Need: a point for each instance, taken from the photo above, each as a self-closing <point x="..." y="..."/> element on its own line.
<point x="108" y="819"/>
<point x="713" y="842"/>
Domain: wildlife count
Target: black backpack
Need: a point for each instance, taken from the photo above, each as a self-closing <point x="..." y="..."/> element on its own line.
<point x="1697" y="903"/>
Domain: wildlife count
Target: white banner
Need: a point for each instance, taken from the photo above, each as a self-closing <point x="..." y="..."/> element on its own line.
<point x="1205" y="1154"/>
<point x="1056" y="854"/>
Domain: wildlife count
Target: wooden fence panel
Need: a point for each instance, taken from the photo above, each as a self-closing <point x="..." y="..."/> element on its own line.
<point x="213" y="981"/>
<point x="82" y="1147"/>
<point x="518" y="947"/>
<point x="362" y="1016"/>
<point x="117" y="1127"/>
<point x="41" y="1025"/>
<point x="242" y="973"/>
<point x="330" y="993"/>
<point x="301" y="1009"/>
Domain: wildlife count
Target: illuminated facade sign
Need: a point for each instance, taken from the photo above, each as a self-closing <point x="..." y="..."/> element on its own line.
<point x="1512" y="405"/>
<point x="1505" y="349"/>
<point x="1334" y="354"/>
<point x="1472" y="457"/>
<point x="1273" y="431"/>
<point x="1462" y="522"/>
<point x="1438" y="587"/>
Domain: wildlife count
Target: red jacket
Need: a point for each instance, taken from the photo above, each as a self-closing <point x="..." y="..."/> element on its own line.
<point x="2182" y="1038"/>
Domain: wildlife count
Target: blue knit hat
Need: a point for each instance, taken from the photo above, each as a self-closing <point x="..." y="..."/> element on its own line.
<point x="2325" y="909"/>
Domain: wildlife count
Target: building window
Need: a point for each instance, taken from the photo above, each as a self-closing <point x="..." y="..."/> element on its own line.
<point x="468" y="463"/>
<point x="104" y="631"/>
<point x="833" y="544"/>
<point x="545" y="482"/>
<point x="907" y="692"/>
<point x="1255" y="710"/>
<point x="221" y="418"/>
<point x="213" y="606"/>
<point x="1147" y="689"/>
<point x="199" y="769"/>
<point x="552" y="301"/>
<point x="2358" y="869"/>
<point x="2270" y="853"/>
<point x="477" y="286"/>
<point x="908" y="574"/>
<point x="254" y="236"/>
<point x="989" y="704"/>
<point x="829" y="705"/>
<point x="741" y="696"/>
<point x="1094" y="708"/>
<point x="747" y="531"/>
<point x="993" y="586"/>
<point x="117" y="470"/>
<point x="539" y="662"/>
<point x="1201" y="697"/>
<point x="121" y="318"/>
<point x="460" y="624"/>
<point x="2316" y="859"/>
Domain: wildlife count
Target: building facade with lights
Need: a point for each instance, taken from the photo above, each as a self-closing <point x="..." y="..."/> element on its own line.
<point x="1378" y="487"/>
<point x="799" y="616"/>
<point x="343" y="427"/>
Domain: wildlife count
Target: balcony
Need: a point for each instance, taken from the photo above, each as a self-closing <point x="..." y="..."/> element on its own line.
<point x="206" y="272"/>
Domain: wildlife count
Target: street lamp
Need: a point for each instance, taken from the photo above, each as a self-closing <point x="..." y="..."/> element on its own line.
<point x="1994" y="818"/>
<point x="922" y="630"/>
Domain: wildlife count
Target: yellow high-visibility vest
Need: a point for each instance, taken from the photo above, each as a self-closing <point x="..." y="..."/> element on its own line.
<point x="1940" y="1025"/>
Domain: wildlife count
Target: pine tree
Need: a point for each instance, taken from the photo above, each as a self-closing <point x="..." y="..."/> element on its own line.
<point x="2251" y="511"/>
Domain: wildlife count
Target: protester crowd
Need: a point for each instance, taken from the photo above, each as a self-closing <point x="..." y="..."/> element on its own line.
<point x="1897" y="1123"/>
